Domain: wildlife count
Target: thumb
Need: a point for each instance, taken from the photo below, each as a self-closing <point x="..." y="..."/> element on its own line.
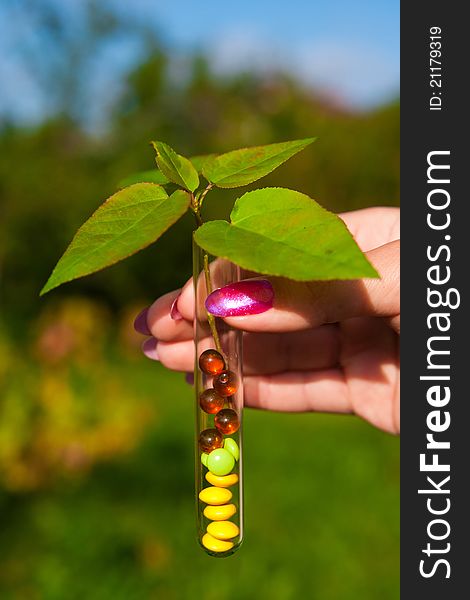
<point x="283" y="305"/>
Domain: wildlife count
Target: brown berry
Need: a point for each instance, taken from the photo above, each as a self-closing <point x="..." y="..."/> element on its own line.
<point x="210" y="439"/>
<point x="210" y="401"/>
<point x="226" y="383"/>
<point x="227" y="421"/>
<point x="211" y="362"/>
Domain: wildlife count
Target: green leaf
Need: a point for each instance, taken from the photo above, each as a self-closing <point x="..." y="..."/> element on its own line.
<point x="200" y="160"/>
<point x="152" y="176"/>
<point x="128" y="221"/>
<point x="276" y="231"/>
<point x="242" y="167"/>
<point x="177" y="168"/>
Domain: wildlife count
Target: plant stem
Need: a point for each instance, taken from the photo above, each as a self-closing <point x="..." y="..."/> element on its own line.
<point x="203" y="195"/>
<point x="210" y="317"/>
<point x="196" y="206"/>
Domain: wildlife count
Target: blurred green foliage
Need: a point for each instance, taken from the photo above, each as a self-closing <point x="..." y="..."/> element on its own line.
<point x="96" y="493"/>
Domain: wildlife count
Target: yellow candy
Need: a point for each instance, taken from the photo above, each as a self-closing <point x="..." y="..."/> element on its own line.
<point x="220" y="513"/>
<point x="224" y="481"/>
<point x="223" y="530"/>
<point x="215" y="495"/>
<point x="212" y="543"/>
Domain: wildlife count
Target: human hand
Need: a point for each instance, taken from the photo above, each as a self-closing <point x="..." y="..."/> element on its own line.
<point x="323" y="346"/>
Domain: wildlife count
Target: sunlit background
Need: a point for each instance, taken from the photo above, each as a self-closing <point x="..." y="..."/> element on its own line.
<point x="96" y="464"/>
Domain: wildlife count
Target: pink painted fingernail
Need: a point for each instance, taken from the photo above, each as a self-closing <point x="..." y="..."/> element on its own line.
<point x="189" y="378"/>
<point x="140" y="322"/>
<point x="149" y="348"/>
<point x="249" y="297"/>
<point x="174" y="312"/>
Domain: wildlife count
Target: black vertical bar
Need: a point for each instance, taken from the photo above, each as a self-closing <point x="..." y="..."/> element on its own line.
<point x="445" y="128"/>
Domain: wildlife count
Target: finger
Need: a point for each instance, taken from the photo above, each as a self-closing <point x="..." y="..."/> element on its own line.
<point x="303" y="305"/>
<point x="301" y="391"/>
<point x="373" y="227"/>
<point x="325" y="391"/>
<point x="267" y="353"/>
<point x="160" y="323"/>
<point x="159" y="320"/>
<point x="312" y="349"/>
<point x="365" y="383"/>
<point x="185" y="301"/>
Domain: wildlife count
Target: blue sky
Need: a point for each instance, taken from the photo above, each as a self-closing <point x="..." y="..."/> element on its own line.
<point x="349" y="50"/>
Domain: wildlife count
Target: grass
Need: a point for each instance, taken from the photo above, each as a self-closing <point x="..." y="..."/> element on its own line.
<point x="321" y="510"/>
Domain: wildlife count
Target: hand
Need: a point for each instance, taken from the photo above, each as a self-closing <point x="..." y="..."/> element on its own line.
<point x="323" y="346"/>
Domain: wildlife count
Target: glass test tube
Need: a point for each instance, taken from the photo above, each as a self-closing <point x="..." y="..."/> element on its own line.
<point x="219" y="406"/>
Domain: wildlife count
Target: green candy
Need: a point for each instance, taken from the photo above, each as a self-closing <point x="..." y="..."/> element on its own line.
<point x="204" y="458"/>
<point x="220" y="462"/>
<point x="232" y="446"/>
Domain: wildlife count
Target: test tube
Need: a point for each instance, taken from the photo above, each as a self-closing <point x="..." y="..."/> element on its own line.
<point x="218" y="383"/>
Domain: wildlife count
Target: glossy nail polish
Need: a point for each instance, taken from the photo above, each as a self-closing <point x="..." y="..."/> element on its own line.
<point x="140" y="322"/>
<point x="249" y="297"/>
<point x="149" y="348"/>
<point x="174" y="312"/>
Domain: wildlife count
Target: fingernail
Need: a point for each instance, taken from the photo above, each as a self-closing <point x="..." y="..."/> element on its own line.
<point x="140" y="322"/>
<point x="189" y="378"/>
<point x="174" y="312"/>
<point x="249" y="297"/>
<point x="149" y="348"/>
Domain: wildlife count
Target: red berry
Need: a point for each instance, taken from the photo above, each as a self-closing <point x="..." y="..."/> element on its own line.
<point x="210" y="401"/>
<point x="211" y="362"/>
<point x="210" y="439"/>
<point x="226" y="383"/>
<point x="227" y="421"/>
